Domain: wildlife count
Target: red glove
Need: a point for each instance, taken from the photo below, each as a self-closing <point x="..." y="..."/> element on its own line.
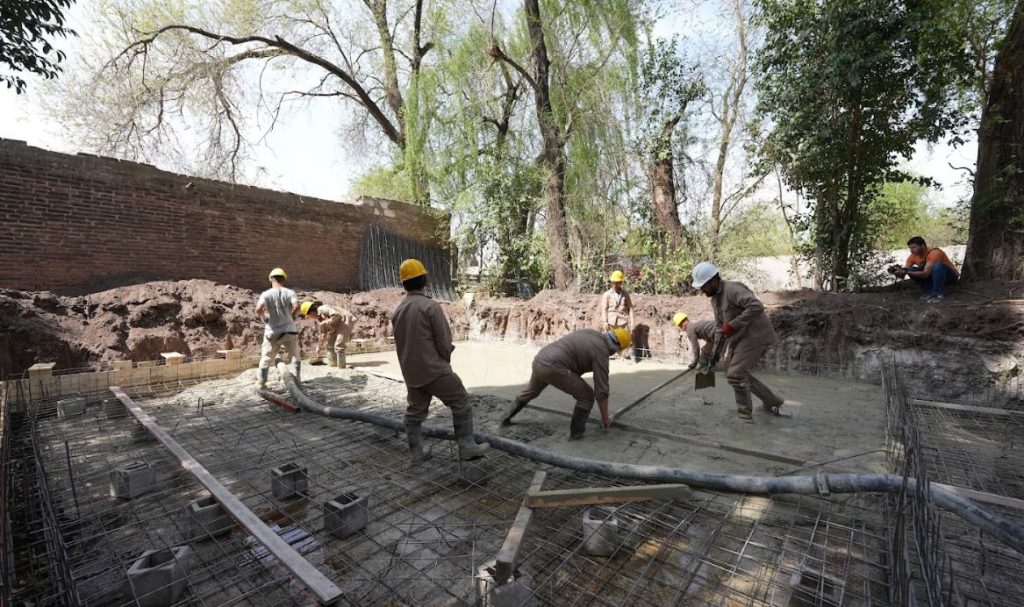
<point x="727" y="329"/>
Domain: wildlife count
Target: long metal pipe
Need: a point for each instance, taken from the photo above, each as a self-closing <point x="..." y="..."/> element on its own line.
<point x="820" y="484"/>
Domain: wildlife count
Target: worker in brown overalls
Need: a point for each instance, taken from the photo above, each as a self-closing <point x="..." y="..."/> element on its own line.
<point x="706" y="330"/>
<point x="562" y="362"/>
<point x="424" y="342"/>
<point x="335" y="326"/>
<point x="741" y="318"/>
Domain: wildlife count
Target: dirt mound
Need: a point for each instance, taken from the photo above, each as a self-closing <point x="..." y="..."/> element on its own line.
<point x="138" y="322"/>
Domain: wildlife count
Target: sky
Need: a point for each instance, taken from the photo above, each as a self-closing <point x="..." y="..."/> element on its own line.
<point x="307" y="154"/>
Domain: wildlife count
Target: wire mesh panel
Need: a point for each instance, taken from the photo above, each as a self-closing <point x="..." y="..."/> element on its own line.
<point x="384" y="251"/>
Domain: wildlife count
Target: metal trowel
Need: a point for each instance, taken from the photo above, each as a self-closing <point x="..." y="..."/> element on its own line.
<point x="705" y="378"/>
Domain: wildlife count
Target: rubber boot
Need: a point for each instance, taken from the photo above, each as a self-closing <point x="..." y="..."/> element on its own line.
<point x="468" y="447"/>
<point x="578" y="425"/>
<point x="414" y="432"/>
<point x="331" y="359"/>
<point x="297" y="372"/>
<point x="770" y="401"/>
<point x="513" y="409"/>
<point x="264" y="375"/>
<point x="744" y="406"/>
<point x="341" y="360"/>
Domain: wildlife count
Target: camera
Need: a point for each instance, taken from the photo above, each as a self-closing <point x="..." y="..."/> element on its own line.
<point x="894" y="268"/>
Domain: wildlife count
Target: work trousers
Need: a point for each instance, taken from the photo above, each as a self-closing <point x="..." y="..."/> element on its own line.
<point x="544" y="375"/>
<point x="740" y="361"/>
<point x="290" y="343"/>
<point x="447" y="388"/>
<point x="337" y="339"/>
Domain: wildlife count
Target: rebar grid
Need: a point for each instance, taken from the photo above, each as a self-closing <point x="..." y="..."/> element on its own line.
<point x="429" y="532"/>
<point x="383" y="251"/>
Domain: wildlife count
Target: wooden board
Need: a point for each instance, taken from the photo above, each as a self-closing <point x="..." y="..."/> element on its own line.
<point x="604" y="495"/>
<point x="505" y="562"/>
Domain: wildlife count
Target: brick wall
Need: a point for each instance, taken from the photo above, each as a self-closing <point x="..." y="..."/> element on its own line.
<point x="79" y="223"/>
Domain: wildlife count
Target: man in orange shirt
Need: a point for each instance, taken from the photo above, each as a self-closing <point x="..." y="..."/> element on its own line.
<point x="931" y="269"/>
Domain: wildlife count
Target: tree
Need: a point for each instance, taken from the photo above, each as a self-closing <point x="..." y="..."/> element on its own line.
<point x="188" y="77"/>
<point x="27" y="31"/>
<point x="995" y="247"/>
<point x="848" y="94"/>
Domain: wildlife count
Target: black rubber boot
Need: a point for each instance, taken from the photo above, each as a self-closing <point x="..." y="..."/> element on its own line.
<point x="468" y="447"/>
<point x="770" y="401"/>
<point x="414" y="432"/>
<point x="578" y="425"/>
<point x="513" y="409"/>
<point x="744" y="406"/>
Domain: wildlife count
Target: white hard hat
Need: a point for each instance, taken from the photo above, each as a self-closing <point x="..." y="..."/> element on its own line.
<point x="703" y="272"/>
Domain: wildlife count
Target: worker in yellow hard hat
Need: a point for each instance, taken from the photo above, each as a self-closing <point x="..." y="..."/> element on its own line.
<point x="615" y="309"/>
<point x="277" y="307"/>
<point x="335" y="326"/>
<point x="562" y="363"/>
<point x="423" y="338"/>
<point x="706" y="330"/>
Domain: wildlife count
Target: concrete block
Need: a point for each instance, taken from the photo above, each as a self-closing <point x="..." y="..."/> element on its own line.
<point x="173" y="358"/>
<point x="207" y="519"/>
<point x="132" y="480"/>
<point x="40" y="370"/>
<point x="812" y="589"/>
<point x="123" y="365"/>
<point x="474" y="472"/>
<point x="230" y="354"/>
<point x="159" y="578"/>
<point x="288" y="481"/>
<point x="514" y="593"/>
<point x="67" y="407"/>
<point x="346" y="514"/>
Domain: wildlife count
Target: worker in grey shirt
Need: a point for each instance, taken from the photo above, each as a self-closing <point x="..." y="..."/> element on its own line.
<point x="562" y="362"/>
<point x="706" y="330"/>
<point x="276" y="307"/>
<point x="423" y="339"/>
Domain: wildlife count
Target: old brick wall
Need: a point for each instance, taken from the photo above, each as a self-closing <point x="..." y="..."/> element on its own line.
<point x="79" y="223"/>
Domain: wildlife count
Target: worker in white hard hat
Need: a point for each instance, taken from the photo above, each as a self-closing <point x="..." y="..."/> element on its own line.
<point x="423" y="338"/>
<point x="741" y="318"/>
<point x="335" y="326"/>
<point x="701" y="330"/>
<point x="615" y="308"/>
<point x="562" y="363"/>
<point x="277" y="307"/>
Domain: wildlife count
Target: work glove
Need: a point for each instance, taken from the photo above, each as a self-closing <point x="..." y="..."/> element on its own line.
<point x="727" y="329"/>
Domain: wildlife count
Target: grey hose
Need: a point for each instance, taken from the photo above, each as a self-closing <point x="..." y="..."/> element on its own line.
<point x="823" y="483"/>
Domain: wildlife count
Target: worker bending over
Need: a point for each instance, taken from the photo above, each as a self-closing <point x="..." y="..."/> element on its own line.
<point x="741" y="318"/>
<point x="702" y="330"/>
<point x="335" y="326"/>
<point x="277" y="307"/>
<point x="424" y="341"/>
<point x="562" y="362"/>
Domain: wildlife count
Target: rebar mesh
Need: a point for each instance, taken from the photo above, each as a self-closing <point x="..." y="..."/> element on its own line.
<point x="384" y="251"/>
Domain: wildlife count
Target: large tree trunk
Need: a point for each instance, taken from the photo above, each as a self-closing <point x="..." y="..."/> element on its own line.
<point x="995" y="247"/>
<point x="663" y="186"/>
<point x="553" y="156"/>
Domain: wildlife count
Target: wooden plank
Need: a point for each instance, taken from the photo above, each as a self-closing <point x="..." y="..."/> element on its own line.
<point x="505" y="562"/>
<point x="563" y="498"/>
<point x="625" y="409"/>
<point x="966" y="408"/>
<point x="317" y="583"/>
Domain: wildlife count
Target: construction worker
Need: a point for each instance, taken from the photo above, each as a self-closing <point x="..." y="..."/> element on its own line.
<point x="930" y="268"/>
<point x="277" y="307"/>
<point x="740" y="317"/>
<point x="335" y="326"/>
<point x="706" y="330"/>
<point x="424" y="341"/>
<point x="562" y="362"/>
<point x="615" y="308"/>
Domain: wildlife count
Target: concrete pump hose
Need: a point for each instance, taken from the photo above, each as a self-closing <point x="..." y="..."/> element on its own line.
<point x="995" y="525"/>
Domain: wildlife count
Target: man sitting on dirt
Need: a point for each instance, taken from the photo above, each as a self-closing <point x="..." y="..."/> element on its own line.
<point x="424" y="342"/>
<point x="741" y="319"/>
<point x="276" y="307"/>
<point x="931" y="269"/>
<point x="706" y="330"/>
<point x="562" y="362"/>
<point x="335" y="326"/>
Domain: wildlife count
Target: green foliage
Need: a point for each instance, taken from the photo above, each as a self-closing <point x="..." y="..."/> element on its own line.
<point x="845" y="84"/>
<point x="384" y="182"/>
<point x="758" y="230"/>
<point x="27" y="31"/>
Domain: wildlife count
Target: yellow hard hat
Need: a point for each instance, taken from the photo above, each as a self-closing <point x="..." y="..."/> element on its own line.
<point x="679" y="318"/>
<point x="306" y="305"/>
<point x="278" y="272"/>
<point x="617" y="276"/>
<point x="624" y="338"/>
<point x="411" y="268"/>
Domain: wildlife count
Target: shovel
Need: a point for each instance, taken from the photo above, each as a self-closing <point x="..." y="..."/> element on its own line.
<point x="706" y="377"/>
